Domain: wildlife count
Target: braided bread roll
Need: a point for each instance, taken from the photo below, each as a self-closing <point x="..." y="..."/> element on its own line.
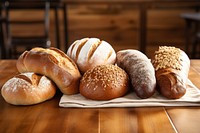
<point x="140" y="71"/>
<point x="172" y="67"/>
<point x="54" y="64"/>
<point x="28" y="89"/>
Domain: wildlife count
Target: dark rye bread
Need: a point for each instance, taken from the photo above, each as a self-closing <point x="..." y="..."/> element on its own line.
<point x="140" y="71"/>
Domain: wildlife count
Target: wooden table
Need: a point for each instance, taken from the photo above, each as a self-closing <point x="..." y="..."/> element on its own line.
<point x="48" y="117"/>
<point x="142" y="5"/>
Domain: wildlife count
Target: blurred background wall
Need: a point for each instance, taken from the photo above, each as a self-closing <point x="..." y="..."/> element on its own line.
<point x="118" y="25"/>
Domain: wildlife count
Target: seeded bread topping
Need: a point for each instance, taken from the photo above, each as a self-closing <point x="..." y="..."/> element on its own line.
<point x="106" y="74"/>
<point x="167" y="57"/>
<point x="104" y="82"/>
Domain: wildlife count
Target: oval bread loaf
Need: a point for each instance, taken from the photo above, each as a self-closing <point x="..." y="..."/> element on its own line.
<point x="140" y="70"/>
<point x="28" y="89"/>
<point x="172" y="68"/>
<point x="54" y="64"/>
<point x="90" y="52"/>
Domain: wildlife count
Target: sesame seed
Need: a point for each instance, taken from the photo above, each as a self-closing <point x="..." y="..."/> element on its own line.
<point x="104" y="75"/>
<point x="167" y="56"/>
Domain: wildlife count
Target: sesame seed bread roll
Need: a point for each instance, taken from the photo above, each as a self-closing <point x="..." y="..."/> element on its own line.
<point x="172" y="67"/>
<point x="28" y="89"/>
<point x="140" y="70"/>
<point x="54" y="64"/>
<point x="104" y="82"/>
<point x="90" y="52"/>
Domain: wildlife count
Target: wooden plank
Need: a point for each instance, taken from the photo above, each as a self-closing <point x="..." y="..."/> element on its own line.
<point x="67" y="120"/>
<point x="132" y="120"/>
<point x="116" y="37"/>
<point x="180" y="115"/>
<point x="117" y="24"/>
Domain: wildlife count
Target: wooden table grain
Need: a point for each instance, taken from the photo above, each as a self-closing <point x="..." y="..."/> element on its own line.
<point x="49" y="117"/>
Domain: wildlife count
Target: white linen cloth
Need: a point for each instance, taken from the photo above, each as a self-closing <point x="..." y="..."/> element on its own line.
<point x="191" y="98"/>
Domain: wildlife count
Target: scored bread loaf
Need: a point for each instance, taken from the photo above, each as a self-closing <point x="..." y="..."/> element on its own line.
<point x="54" y="64"/>
<point x="172" y="67"/>
<point x="90" y="52"/>
<point x="104" y="82"/>
<point x="28" y="89"/>
<point x="140" y="71"/>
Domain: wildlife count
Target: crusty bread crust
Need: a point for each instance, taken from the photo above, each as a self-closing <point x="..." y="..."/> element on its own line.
<point x="28" y="89"/>
<point x="172" y="68"/>
<point x="54" y="64"/>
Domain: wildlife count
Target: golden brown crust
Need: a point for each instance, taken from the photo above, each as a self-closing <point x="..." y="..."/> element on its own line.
<point x="104" y="82"/>
<point x="170" y="84"/>
<point x="171" y="71"/>
<point x="28" y="89"/>
<point x="54" y="64"/>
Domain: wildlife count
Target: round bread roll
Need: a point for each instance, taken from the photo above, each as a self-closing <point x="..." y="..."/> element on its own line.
<point x="54" y="64"/>
<point x="104" y="82"/>
<point x="28" y="89"/>
<point x="90" y="52"/>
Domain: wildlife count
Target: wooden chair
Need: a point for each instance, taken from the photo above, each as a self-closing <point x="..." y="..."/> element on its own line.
<point x="16" y="43"/>
<point x="192" y="34"/>
<point x="2" y="33"/>
<point x="57" y="5"/>
<point x="2" y="40"/>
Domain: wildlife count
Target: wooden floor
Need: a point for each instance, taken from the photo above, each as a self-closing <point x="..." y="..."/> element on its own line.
<point x="117" y="25"/>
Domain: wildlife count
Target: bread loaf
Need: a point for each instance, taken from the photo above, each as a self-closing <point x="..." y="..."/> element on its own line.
<point x="140" y="70"/>
<point x="90" y="52"/>
<point x="28" y="89"/>
<point x="54" y="64"/>
<point x="172" y="68"/>
<point x="104" y="82"/>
